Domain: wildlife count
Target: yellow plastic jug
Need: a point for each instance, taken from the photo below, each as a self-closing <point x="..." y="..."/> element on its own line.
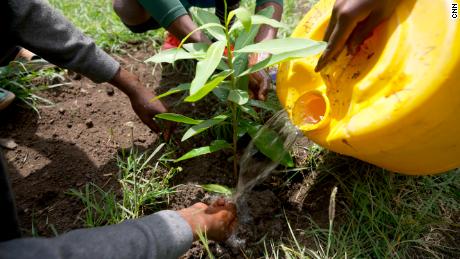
<point x="396" y="103"/>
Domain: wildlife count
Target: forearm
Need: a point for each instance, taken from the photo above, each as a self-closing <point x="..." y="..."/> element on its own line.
<point x="161" y="235"/>
<point x="267" y="32"/>
<point x="184" y="25"/>
<point x="40" y="28"/>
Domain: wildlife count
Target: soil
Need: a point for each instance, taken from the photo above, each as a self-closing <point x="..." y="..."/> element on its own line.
<point x="77" y="140"/>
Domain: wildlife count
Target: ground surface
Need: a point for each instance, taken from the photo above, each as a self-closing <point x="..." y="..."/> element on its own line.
<point x="75" y="142"/>
<point x="59" y="151"/>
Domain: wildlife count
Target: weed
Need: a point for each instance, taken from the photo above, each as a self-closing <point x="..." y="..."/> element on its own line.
<point x="25" y="81"/>
<point x="143" y="189"/>
<point x="383" y="215"/>
<point x="205" y="242"/>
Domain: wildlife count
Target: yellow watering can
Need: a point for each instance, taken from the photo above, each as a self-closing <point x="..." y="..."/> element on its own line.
<point x="396" y="103"/>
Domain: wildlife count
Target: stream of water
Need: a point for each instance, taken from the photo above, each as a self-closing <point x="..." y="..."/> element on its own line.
<point x="254" y="166"/>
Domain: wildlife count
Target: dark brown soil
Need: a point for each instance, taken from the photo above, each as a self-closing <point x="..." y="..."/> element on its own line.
<point x="76" y="142"/>
<point x="73" y="143"/>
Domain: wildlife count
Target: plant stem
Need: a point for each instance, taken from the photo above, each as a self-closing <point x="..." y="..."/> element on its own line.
<point x="233" y="105"/>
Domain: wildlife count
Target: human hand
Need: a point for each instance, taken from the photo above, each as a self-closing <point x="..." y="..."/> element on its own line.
<point x="352" y="21"/>
<point x="142" y="100"/>
<point x="259" y="82"/>
<point x="217" y="220"/>
<point x="146" y="107"/>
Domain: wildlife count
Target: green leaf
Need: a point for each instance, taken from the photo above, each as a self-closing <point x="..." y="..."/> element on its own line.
<point x="246" y="38"/>
<point x="198" y="50"/>
<point x="260" y="19"/>
<point x="215" y="146"/>
<point x="170" y="55"/>
<point x="178" y="118"/>
<point x="204" y="17"/>
<point x="243" y="15"/>
<point x="250" y="111"/>
<point x="177" y="89"/>
<point x="278" y="46"/>
<point x="202" y="27"/>
<point x="205" y="68"/>
<point x="216" y="188"/>
<point x="221" y="92"/>
<point x="198" y="128"/>
<point x="269" y="143"/>
<point x="269" y="106"/>
<point x="240" y="62"/>
<point x="208" y="87"/>
<point x="283" y="57"/>
<point x="238" y="96"/>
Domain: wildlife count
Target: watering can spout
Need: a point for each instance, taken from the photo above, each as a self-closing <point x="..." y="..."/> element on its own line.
<point x="395" y="102"/>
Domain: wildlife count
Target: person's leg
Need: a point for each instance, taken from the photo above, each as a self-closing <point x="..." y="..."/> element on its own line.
<point x="134" y="16"/>
<point x="8" y="219"/>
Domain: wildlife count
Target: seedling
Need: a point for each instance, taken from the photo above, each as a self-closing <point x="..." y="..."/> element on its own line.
<point x="222" y="69"/>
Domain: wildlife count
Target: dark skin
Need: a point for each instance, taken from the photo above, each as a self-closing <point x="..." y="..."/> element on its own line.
<point x="140" y="98"/>
<point x="352" y="22"/>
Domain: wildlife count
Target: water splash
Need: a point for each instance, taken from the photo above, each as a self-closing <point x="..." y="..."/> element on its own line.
<point x="254" y="166"/>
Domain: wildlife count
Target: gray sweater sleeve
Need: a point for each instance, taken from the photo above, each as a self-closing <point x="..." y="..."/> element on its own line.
<point x="45" y="31"/>
<point x="162" y="235"/>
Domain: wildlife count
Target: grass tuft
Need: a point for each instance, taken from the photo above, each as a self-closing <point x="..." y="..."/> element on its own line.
<point x="144" y="188"/>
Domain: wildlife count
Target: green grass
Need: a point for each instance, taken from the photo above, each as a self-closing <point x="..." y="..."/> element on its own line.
<point x="26" y="82"/>
<point x="382" y="215"/>
<point x="97" y="19"/>
<point x="144" y="186"/>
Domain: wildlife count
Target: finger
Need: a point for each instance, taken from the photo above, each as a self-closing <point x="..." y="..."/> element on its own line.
<point x="363" y="31"/>
<point x="263" y="89"/>
<point x="232" y="208"/>
<point x="219" y="202"/>
<point x="337" y="41"/>
<point x="331" y="25"/>
<point x="152" y="125"/>
<point x="167" y="130"/>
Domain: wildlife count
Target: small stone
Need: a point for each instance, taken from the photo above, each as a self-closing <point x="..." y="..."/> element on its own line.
<point x="89" y="123"/>
<point x="8" y="143"/>
<point x="51" y="121"/>
<point x="69" y="125"/>
<point x="109" y="90"/>
<point x="89" y="104"/>
<point x="61" y="110"/>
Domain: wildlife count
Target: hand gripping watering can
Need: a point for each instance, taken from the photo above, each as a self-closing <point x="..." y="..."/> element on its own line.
<point x="396" y="103"/>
